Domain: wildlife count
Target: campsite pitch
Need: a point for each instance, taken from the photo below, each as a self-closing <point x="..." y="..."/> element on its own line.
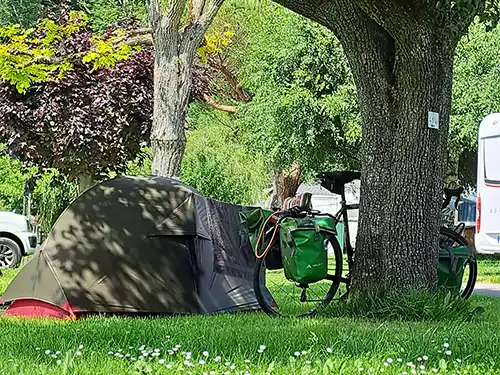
<point x="250" y="343"/>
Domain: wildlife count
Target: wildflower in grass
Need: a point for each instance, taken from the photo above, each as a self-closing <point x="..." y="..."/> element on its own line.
<point x="404" y="373"/>
<point x="54" y="356"/>
<point x="227" y="372"/>
<point x="413" y="371"/>
<point x="111" y="353"/>
<point x="133" y="359"/>
<point x="422" y="367"/>
<point x="296" y="354"/>
<point x="399" y="360"/>
<point x="47" y="352"/>
<point x="361" y="369"/>
<point x="446" y="345"/>
<point x="59" y="362"/>
<point x="155" y="354"/>
<point x="217" y="359"/>
<point x="227" y="364"/>
<point x="175" y="348"/>
<point x="329" y="350"/>
<point x="142" y="347"/>
<point x="448" y="352"/>
<point x="247" y="361"/>
<point x="170" y="352"/>
<point x="232" y="367"/>
<point x="161" y="361"/>
<point x="178" y="346"/>
<point x="78" y="353"/>
<point x="410" y="364"/>
<point x="169" y="366"/>
<point x="205" y="354"/>
<point x="80" y="347"/>
<point x="212" y="372"/>
<point x="419" y="359"/>
<point x="262" y="347"/>
<point x="425" y="358"/>
<point x="389" y="360"/>
<point x="37" y="348"/>
<point x="386" y="364"/>
<point x="308" y="362"/>
<point x="435" y="370"/>
<point x="303" y="352"/>
<point x="260" y="351"/>
<point x="459" y="360"/>
<point x="201" y="362"/>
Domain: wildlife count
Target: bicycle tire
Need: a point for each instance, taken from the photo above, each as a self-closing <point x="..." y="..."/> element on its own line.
<point x="471" y="263"/>
<point x="268" y="309"/>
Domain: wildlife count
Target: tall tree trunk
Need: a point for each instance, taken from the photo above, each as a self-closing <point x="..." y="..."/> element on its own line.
<point x="403" y="165"/>
<point x="401" y="56"/>
<point x="174" y="55"/>
<point x="175" y="49"/>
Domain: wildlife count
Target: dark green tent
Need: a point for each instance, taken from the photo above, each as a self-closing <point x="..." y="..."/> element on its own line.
<point x="147" y="245"/>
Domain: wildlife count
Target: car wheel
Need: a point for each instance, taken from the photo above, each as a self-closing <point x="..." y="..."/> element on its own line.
<point x="10" y="253"/>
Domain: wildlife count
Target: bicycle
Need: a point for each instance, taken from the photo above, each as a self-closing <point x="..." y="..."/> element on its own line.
<point x="269" y="283"/>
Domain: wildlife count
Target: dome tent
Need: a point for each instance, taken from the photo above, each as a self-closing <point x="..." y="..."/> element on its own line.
<point x="139" y="245"/>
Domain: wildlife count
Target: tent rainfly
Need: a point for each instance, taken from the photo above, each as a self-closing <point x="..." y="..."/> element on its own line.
<point x="138" y="245"/>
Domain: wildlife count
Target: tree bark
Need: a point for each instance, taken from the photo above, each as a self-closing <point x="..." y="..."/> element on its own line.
<point x="286" y="184"/>
<point x="402" y="63"/>
<point x="175" y="51"/>
<point x="174" y="55"/>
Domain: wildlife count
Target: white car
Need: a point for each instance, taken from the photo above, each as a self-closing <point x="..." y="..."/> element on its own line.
<point x="17" y="239"/>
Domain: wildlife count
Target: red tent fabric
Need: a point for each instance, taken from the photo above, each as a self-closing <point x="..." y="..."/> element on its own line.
<point x="33" y="308"/>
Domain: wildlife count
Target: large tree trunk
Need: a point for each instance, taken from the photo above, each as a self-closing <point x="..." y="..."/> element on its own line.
<point x="175" y="49"/>
<point x="174" y="55"/>
<point x="402" y="62"/>
<point x="403" y="164"/>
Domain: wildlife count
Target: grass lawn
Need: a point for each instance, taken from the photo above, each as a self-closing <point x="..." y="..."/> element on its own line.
<point x="488" y="271"/>
<point x="250" y="344"/>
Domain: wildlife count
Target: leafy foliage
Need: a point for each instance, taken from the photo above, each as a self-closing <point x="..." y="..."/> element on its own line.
<point x="103" y="13"/>
<point x="53" y="193"/>
<point x="91" y="119"/>
<point x="304" y="101"/>
<point x="26" y="13"/>
<point x="217" y="164"/>
<point x="475" y="95"/>
<point x="12" y="178"/>
<point x="47" y="52"/>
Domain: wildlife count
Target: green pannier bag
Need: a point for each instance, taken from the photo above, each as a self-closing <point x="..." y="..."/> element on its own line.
<point x="451" y="268"/>
<point x="303" y="250"/>
<point x="253" y="220"/>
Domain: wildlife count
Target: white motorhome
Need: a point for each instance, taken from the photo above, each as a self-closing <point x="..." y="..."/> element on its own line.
<point x="17" y="239"/>
<point x="487" y="237"/>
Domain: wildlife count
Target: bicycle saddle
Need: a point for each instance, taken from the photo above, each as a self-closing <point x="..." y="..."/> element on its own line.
<point x="335" y="181"/>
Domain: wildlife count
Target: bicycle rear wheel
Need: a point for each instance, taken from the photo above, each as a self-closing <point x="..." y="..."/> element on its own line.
<point x="450" y="238"/>
<point x="278" y="296"/>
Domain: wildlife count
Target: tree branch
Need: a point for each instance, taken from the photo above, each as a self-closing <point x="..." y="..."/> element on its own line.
<point x="174" y="12"/>
<point x="231" y="79"/>
<point x="209" y="14"/>
<point x="195" y="10"/>
<point x="154" y="12"/>
<point x="221" y="107"/>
